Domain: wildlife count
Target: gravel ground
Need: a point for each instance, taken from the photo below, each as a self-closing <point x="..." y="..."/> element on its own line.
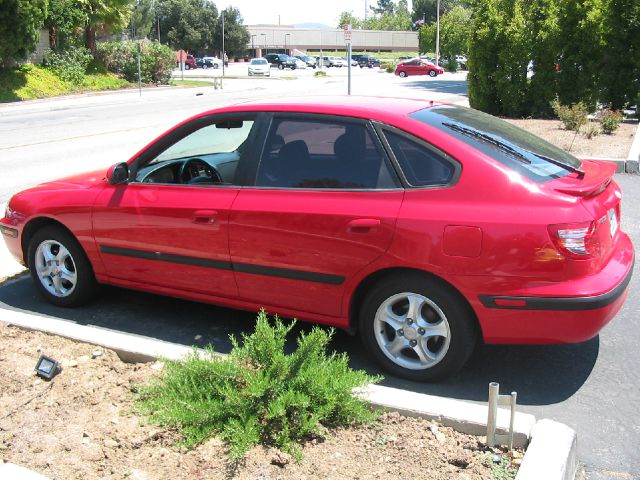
<point x="81" y="426"/>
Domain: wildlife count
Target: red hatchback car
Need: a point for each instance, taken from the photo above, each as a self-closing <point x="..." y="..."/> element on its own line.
<point x="418" y="66"/>
<point x="426" y="227"/>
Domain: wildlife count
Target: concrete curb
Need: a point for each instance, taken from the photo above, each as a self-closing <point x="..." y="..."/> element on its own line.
<point x="553" y="454"/>
<point x="634" y="153"/>
<point x="10" y="471"/>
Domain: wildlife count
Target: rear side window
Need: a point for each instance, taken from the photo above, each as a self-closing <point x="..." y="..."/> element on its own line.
<point x="305" y="153"/>
<point x="422" y="166"/>
<point x="514" y="147"/>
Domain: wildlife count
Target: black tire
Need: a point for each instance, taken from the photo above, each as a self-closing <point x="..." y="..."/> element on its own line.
<point x="75" y="263"/>
<point x="215" y="66"/>
<point x="441" y="309"/>
<point x="187" y="67"/>
<point x="432" y="73"/>
<point x="402" y="74"/>
<point x="280" y="66"/>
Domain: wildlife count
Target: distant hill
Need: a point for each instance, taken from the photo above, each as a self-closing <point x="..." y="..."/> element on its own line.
<point x="320" y="26"/>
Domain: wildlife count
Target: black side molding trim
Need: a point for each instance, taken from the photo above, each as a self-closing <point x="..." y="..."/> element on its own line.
<point x="560" y="303"/>
<point x="8" y="231"/>
<point x="222" y="265"/>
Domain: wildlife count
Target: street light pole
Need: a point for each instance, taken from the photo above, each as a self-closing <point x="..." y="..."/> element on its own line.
<point x="438" y="33"/>
<point x="285" y="42"/>
<point x="223" y="51"/>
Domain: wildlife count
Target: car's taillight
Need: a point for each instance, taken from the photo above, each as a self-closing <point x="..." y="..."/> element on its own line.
<point x="575" y="240"/>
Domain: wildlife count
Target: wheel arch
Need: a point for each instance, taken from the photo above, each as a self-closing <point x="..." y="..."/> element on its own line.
<point x="373" y="278"/>
<point x="36" y="224"/>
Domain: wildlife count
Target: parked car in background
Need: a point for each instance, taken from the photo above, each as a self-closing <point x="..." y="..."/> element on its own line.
<point x="259" y="66"/>
<point x="281" y="60"/>
<point x="462" y="61"/>
<point x="209" y="62"/>
<point x="189" y="63"/>
<point x="399" y="219"/>
<point x="325" y="61"/>
<point x="299" y="63"/>
<point x="339" y="62"/>
<point x="368" y="61"/>
<point x="417" y="66"/>
<point x="310" y="61"/>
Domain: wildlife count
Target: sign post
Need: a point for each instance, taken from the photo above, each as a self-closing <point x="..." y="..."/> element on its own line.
<point x="347" y="39"/>
<point x="182" y="57"/>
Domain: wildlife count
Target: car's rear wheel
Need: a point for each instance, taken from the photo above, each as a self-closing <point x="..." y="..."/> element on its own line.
<point x="205" y="66"/>
<point x="433" y="73"/>
<point x="186" y="66"/>
<point x="403" y="74"/>
<point x="215" y="66"/>
<point x="60" y="268"/>
<point x="280" y="67"/>
<point x="417" y="328"/>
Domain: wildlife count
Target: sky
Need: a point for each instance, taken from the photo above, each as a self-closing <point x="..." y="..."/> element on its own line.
<point x="295" y="11"/>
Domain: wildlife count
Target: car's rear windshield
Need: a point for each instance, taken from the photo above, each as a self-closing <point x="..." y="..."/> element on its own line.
<point x="512" y="146"/>
<point x="255" y="61"/>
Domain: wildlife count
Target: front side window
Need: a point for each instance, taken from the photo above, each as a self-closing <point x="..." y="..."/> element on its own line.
<point x="301" y="153"/>
<point x="207" y="156"/>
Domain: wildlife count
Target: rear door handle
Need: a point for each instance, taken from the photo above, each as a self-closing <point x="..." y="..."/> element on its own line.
<point x="205" y="217"/>
<point x="363" y="225"/>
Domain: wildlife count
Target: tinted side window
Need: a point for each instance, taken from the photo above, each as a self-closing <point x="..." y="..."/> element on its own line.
<point x="422" y="166"/>
<point x="322" y="154"/>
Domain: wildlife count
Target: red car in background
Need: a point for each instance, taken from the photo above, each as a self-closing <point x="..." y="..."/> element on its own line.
<point x="418" y="66"/>
<point x="424" y="227"/>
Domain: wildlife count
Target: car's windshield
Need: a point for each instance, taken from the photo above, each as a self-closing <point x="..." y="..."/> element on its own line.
<point x="514" y="147"/>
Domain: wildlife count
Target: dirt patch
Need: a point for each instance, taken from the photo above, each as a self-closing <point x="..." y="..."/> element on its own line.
<point x="81" y="426"/>
<point x="614" y="146"/>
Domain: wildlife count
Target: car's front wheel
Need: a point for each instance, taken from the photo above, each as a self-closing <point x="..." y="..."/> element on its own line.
<point x="60" y="268"/>
<point x="417" y="328"/>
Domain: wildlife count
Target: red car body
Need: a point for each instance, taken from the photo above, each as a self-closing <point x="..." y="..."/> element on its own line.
<point x="503" y="245"/>
<point x="418" y="67"/>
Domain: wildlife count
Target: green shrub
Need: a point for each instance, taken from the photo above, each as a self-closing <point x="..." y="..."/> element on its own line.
<point x="70" y="65"/>
<point x="320" y="73"/>
<point x="610" y="120"/>
<point x="258" y="394"/>
<point x="388" y="67"/>
<point x="572" y="117"/>
<point x="156" y="61"/>
<point x="591" y="130"/>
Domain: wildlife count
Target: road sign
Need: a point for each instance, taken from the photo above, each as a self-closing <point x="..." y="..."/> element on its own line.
<point x="347" y="33"/>
<point x="181" y="56"/>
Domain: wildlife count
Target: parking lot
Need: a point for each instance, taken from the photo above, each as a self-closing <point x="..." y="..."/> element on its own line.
<point x="593" y="387"/>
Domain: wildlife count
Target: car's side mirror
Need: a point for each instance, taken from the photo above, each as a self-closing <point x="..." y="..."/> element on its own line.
<point x="118" y="173"/>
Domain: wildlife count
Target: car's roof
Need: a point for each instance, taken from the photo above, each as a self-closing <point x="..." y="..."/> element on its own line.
<point x="349" y="105"/>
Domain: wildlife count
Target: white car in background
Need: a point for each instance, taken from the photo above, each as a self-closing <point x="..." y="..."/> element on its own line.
<point x="300" y="63"/>
<point x="259" y="66"/>
<point x="339" y="62"/>
<point x="215" y="61"/>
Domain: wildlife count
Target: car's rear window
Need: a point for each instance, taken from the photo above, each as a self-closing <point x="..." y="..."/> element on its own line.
<point x="512" y="146"/>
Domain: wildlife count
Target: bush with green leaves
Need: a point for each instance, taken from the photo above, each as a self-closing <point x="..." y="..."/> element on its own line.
<point x="156" y="61"/>
<point x="69" y="65"/>
<point x="610" y="120"/>
<point x="591" y="130"/>
<point x="572" y="116"/>
<point x="388" y="67"/>
<point x="259" y="394"/>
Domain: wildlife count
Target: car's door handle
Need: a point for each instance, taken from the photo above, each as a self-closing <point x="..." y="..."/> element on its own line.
<point x="206" y="217"/>
<point x="363" y="225"/>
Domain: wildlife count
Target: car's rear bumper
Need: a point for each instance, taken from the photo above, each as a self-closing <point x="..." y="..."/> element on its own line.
<point x="559" y="318"/>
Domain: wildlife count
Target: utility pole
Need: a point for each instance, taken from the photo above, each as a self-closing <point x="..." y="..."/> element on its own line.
<point x="223" y="50"/>
<point x="438" y="33"/>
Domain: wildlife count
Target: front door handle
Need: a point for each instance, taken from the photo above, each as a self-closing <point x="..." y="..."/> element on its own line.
<point x="363" y="225"/>
<point x="205" y="217"/>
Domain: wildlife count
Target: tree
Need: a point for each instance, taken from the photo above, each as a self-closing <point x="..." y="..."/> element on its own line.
<point x="142" y="18"/>
<point x="236" y="34"/>
<point x="426" y="9"/>
<point x="620" y="68"/>
<point x="455" y="30"/>
<point x="542" y="21"/>
<point x="20" y="23"/>
<point x="103" y="14"/>
<point x="64" y="19"/>
<point x="384" y="7"/>
<point x="398" y="19"/>
<point x="189" y="25"/>
<point x="347" y="18"/>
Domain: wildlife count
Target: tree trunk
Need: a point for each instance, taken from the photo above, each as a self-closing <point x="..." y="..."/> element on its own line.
<point x="53" y="38"/>
<point x="90" y="39"/>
